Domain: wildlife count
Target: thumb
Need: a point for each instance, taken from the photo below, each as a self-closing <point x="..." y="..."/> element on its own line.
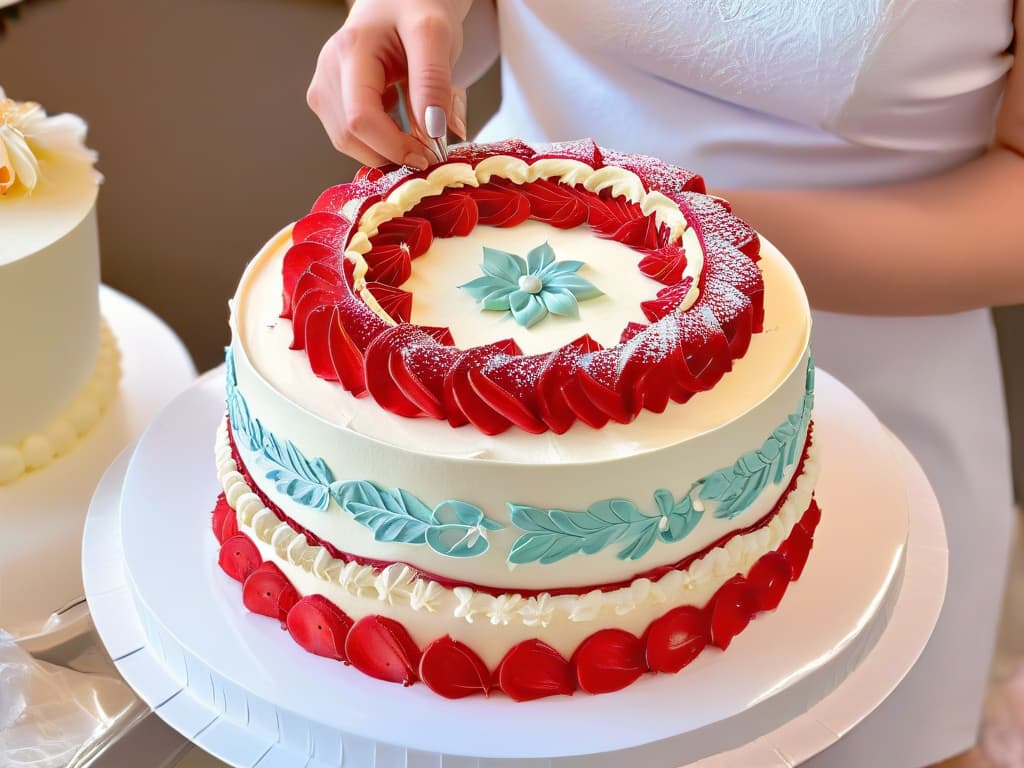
<point x="428" y="45"/>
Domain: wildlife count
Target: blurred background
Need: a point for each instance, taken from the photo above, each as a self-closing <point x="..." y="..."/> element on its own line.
<point x="197" y="108"/>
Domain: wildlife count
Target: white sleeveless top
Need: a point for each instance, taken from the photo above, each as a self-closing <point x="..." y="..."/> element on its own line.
<point x="821" y="93"/>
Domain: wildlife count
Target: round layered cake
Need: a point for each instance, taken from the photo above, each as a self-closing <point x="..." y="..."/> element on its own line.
<point x="60" y="362"/>
<point x="534" y="420"/>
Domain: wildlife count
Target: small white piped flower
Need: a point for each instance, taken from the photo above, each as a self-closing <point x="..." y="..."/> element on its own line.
<point x="426" y="596"/>
<point x="466" y="608"/>
<point x="504" y="609"/>
<point x="538" y="611"/>
<point x="393" y="584"/>
<point x="588" y="606"/>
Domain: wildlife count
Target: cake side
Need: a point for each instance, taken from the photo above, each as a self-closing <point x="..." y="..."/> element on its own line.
<point x="354" y="440"/>
<point x="63" y="367"/>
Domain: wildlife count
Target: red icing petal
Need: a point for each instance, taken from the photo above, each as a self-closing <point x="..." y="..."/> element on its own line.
<point x="381" y="648"/>
<point x="451" y="669"/>
<point x="731" y="611"/>
<point x="584" y="150"/>
<point x="474" y="153"/>
<point x="390" y="264"/>
<point x="582" y="406"/>
<point x="676" y="639"/>
<point x="501" y="206"/>
<point x="334" y="198"/>
<point x="267" y="591"/>
<point x="460" y="397"/>
<point x="225" y="521"/>
<point x="452" y="214"/>
<point x="508" y="385"/>
<point x="411" y="231"/>
<point x="380" y="381"/>
<point x="664" y="264"/>
<point x="297" y="262"/>
<point x="556" y="204"/>
<point x="796" y="548"/>
<point x="345" y="355"/>
<point x="769" y="578"/>
<point x="368" y="174"/>
<point x="609" y="660"/>
<point x="533" y="670"/>
<point x="396" y="302"/>
<point x="238" y="557"/>
<point x="809" y="522"/>
<point x="668" y="300"/>
<point x="319" y="626"/>
<point x="623" y="221"/>
<point x="558" y="370"/>
<point x="318" y="351"/>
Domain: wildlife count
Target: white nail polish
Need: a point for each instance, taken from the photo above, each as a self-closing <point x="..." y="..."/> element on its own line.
<point x="436" y="122"/>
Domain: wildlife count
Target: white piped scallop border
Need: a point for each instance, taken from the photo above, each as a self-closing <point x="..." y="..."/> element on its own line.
<point x="399" y="584"/>
<point x="407" y="195"/>
<point x="38" y="449"/>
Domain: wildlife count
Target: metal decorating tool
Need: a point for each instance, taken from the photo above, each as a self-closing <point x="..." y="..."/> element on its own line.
<point x="436" y="123"/>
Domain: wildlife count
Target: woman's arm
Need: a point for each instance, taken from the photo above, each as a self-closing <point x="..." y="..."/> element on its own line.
<point x="951" y="242"/>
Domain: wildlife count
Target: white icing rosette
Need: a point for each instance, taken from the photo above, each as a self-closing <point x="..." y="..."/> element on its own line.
<point x="29" y="136"/>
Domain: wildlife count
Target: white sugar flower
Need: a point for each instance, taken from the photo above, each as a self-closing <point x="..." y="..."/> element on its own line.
<point x="27" y="135"/>
<point x="426" y="596"/>
<point x="394" y="584"/>
<point x="538" y="611"/>
<point x="504" y="609"/>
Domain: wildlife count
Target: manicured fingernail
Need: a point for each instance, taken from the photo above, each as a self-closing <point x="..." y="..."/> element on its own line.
<point x="435" y="121"/>
<point x="416" y="161"/>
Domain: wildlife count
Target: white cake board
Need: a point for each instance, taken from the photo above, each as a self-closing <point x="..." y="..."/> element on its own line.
<point x="42" y="513"/>
<point x="246" y="710"/>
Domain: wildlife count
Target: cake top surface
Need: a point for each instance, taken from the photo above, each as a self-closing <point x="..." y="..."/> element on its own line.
<point x="516" y="291"/>
<point x="264" y="341"/>
<point x="47" y="180"/>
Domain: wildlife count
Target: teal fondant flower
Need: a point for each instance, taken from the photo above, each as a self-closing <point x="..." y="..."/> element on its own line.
<point x="530" y="288"/>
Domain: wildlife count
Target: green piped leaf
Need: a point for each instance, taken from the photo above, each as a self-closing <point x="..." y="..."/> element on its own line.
<point x="539" y="258"/>
<point x="453" y="528"/>
<point x="503" y="265"/>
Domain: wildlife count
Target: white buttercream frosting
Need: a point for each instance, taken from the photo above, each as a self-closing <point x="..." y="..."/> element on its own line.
<point x="37" y="449"/>
<point x="398" y="585"/>
<point x="359" y="440"/>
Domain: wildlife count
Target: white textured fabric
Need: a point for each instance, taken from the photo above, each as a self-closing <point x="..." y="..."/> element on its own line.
<point x="822" y="93"/>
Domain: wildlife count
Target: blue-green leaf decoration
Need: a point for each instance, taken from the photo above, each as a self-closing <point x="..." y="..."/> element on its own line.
<point x="735" y="488"/>
<point x="306" y="481"/>
<point x="680" y="517"/>
<point x="554" y="534"/>
<point x="453" y="528"/>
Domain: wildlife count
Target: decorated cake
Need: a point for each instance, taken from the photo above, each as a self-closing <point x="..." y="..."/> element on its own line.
<point x="534" y="420"/>
<point x="60" y="362"/>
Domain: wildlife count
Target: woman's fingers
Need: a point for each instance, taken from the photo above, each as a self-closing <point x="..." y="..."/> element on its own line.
<point x="430" y="48"/>
<point x="457" y="117"/>
<point x="384" y="43"/>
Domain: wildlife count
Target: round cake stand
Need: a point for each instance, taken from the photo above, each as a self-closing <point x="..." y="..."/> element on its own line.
<point x="42" y="513"/>
<point x="226" y="715"/>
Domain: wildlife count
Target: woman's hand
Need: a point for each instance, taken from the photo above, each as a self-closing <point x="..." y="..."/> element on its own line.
<point x="386" y="45"/>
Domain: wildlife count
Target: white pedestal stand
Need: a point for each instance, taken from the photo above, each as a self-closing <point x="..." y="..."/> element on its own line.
<point x="244" y="712"/>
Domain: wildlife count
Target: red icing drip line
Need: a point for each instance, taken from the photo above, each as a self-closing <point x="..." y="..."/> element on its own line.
<point x="653" y="574"/>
